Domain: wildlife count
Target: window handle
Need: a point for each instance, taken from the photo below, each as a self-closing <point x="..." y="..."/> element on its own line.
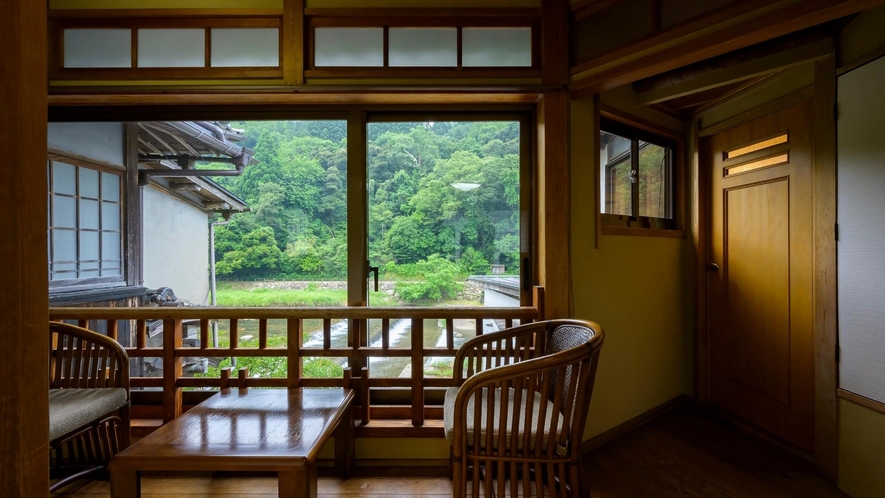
<point x="633" y="176"/>
<point x="373" y="269"/>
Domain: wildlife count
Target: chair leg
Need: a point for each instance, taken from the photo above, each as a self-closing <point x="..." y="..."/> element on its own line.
<point x="458" y="479"/>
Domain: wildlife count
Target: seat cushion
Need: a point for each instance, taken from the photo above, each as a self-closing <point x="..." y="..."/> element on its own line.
<point x="70" y="409"/>
<point x="551" y="419"/>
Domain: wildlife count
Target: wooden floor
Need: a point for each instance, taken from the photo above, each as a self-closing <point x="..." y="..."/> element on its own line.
<point x="685" y="453"/>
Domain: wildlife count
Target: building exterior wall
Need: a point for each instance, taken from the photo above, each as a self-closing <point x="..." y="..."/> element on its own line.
<point x="176" y="246"/>
<point x="102" y="141"/>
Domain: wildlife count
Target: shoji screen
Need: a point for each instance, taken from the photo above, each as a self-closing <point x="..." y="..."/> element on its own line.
<point x="861" y="215"/>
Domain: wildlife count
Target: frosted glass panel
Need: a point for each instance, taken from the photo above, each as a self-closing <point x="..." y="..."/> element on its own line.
<point x="88" y="183"/>
<point x="89" y="273"/>
<point x="110" y="187"/>
<point x="64" y="245"/>
<point x="861" y="216"/>
<point x="64" y="212"/>
<point x="110" y="245"/>
<point x="349" y="47"/>
<point x="89" y="247"/>
<point x="110" y="216"/>
<point x="64" y="178"/>
<point x="426" y="47"/>
<point x="496" y="47"/>
<point x="171" y="48"/>
<point x="110" y="272"/>
<point x="245" y="47"/>
<point x="98" y="48"/>
<point x="88" y="214"/>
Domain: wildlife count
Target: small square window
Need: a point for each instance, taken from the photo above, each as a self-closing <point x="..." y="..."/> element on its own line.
<point x="636" y="178"/>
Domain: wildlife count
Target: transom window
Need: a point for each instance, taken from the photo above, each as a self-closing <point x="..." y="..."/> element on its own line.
<point x="85" y="230"/>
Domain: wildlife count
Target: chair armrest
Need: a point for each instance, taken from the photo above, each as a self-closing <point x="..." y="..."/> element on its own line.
<point x="81" y="358"/>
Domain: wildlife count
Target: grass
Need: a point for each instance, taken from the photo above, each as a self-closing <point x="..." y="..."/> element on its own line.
<point x="239" y="297"/>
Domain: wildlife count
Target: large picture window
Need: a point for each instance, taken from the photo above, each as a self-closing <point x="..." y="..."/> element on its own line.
<point x="85" y="228"/>
<point x="637" y="187"/>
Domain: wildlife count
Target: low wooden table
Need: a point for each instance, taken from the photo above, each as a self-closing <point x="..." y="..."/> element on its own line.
<point x="276" y="430"/>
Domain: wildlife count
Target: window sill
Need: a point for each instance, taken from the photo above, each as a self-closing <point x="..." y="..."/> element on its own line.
<point x="643" y="232"/>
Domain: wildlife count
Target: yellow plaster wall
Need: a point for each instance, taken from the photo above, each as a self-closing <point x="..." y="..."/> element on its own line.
<point x="861" y="450"/>
<point x="636" y="287"/>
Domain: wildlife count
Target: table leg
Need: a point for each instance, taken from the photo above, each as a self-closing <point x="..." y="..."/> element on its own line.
<point x="125" y="484"/>
<point x="301" y="483"/>
<point x="344" y="444"/>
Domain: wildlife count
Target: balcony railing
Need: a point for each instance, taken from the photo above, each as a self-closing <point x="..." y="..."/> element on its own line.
<point x="358" y="350"/>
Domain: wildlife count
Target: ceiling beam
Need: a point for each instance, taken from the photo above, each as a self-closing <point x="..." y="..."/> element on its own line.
<point x="586" y="8"/>
<point x="724" y="76"/>
<point x="778" y="23"/>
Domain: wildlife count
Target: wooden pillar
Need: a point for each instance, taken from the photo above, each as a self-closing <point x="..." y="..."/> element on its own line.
<point x="554" y="269"/>
<point x="24" y="303"/>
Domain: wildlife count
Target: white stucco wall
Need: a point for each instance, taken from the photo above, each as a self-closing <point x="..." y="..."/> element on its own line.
<point x="176" y="246"/>
<point x="102" y="141"/>
<point x="494" y="299"/>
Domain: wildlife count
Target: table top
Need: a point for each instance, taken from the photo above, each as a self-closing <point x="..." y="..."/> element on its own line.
<point x="241" y="430"/>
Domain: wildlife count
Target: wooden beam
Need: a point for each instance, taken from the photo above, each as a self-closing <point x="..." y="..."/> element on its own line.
<point x="783" y="21"/>
<point x="553" y="204"/>
<point x="186" y="187"/>
<point x="555" y="44"/>
<point x="354" y="97"/>
<point x="583" y="9"/>
<point x="750" y="69"/>
<point x="24" y="407"/>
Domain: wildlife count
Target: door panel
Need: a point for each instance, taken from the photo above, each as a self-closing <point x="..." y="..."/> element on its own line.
<point x="760" y="298"/>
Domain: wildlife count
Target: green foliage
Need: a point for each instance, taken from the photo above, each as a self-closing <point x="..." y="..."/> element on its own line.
<point x="434" y="279"/>
<point x="297" y="227"/>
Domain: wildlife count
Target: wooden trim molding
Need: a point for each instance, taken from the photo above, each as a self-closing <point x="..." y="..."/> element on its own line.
<point x="861" y="400"/>
<point x="825" y="302"/>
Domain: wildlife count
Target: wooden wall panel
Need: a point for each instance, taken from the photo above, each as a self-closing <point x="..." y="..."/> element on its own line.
<point x="24" y="411"/>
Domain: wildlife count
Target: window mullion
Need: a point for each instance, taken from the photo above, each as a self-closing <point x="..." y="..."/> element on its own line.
<point x="634" y="176"/>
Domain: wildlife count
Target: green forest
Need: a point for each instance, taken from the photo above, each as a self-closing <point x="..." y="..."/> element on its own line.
<point x="443" y="203"/>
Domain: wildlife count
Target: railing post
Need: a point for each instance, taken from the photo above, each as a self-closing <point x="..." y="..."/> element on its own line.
<point x="171" y="369"/>
<point x="417" y="372"/>
<point x="364" y="395"/>
<point x="242" y="375"/>
<point x="294" y="338"/>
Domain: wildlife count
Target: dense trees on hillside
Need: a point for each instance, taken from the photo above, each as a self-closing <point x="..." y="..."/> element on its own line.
<point x="442" y="197"/>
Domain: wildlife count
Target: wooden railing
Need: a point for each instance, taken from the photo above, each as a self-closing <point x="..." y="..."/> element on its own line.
<point x="357" y="351"/>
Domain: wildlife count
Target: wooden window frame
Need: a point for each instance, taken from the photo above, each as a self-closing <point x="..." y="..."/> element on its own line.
<point x="57" y="71"/>
<point x="88" y="282"/>
<point x="635" y="129"/>
<point x="422" y="72"/>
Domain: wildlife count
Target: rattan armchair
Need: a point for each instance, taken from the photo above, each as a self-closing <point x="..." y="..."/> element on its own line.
<point x="537" y="379"/>
<point x="88" y="402"/>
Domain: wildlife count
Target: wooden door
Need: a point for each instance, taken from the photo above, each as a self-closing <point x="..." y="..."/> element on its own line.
<point x="760" y="273"/>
